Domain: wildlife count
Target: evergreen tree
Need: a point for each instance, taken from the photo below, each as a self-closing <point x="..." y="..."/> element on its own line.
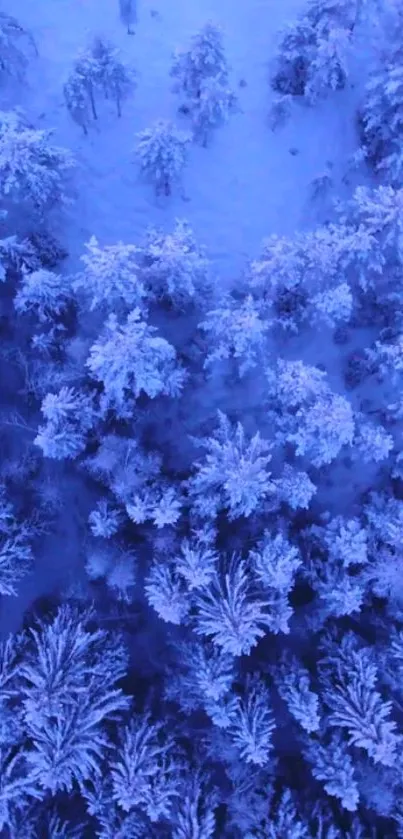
<point x="162" y="154"/>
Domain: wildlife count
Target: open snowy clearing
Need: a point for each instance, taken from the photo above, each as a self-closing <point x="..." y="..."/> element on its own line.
<point x="245" y="185"/>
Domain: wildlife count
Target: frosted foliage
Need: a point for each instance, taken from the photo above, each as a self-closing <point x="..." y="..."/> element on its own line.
<point x="356" y="705"/>
<point x="122" y="464"/>
<point x="380" y="212"/>
<point x="323" y="429"/>
<point x="196" y="563"/>
<point x="212" y="670"/>
<point x="105" y="520"/>
<point x="333" y="306"/>
<point x="174" y="267"/>
<point x="16" y="557"/>
<point x="131" y="358"/>
<point x="142" y="772"/>
<point x="111" y="276"/>
<point x="314" y="51"/>
<point x="116" y="79"/>
<point x="346" y="541"/>
<point x="236" y="330"/>
<point x="17" y="785"/>
<point x="165" y="593"/>
<point x="293" y="685"/>
<point x="162" y="154"/>
<point x="32" y="170"/>
<point x="315" y="420"/>
<point x="276" y="562"/>
<point x="382" y="119"/>
<point x="329" y="65"/>
<point x="372" y="443"/>
<point x="295" y="488"/>
<point x="213" y="106"/>
<point x="44" y="293"/>
<point x="252" y="723"/>
<point x="203" y="60"/>
<point x="166" y="507"/>
<point x="234" y="472"/>
<point x="77" y="102"/>
<point x="195" y="816"/>
<point x="296" y="383"/>
<point x="16" y="45"/>
<point x="121" y="577"/>
<point x="230" y="613"/>
<point x="333" y="765"/>
<point x="69" y="417"/>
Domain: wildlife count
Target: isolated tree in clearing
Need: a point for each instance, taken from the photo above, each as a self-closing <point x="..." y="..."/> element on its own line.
<point x="162" y="154"/>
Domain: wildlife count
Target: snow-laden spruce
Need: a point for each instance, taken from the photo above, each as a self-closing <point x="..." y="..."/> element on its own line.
<point x="43" y="293"/>
<point x="17" y="46"/>
<point x="129" y="359"/>
<point x="70" y="415"/>
<point x="97" y="71"/>
<point x="111" y="278"/>
<point x="34" y="173"/>
<point x="162" y="152"/>
<point x="174" y="267"/>
<point x="205" y="59"/>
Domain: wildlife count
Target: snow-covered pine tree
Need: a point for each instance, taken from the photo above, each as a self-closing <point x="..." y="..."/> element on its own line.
<point x="234" y="473"/>
<point x="117" y="79"/>
<point x="315" y="420"/>
<point x="174" y="267"/>
<point x="32" y="170"/>
<point x="162" y="154"/>
<point x="332" y="764"/>
<point x="43" y="293"/>
<point x="16" y="557"/>
<point x="293" y="684"/>
<point x="231" y="612"/>
<point x="236" y="329"/>
<point x="131" y="358"/>
<point x="252" y="722"/>
<point x="77" y="101"/>
<point x="15" y="43"/>
<point x="111" y="277"/>
<point x="381" y="116"/>
<point x="128" y="14"/>
<point x="69" y="416"/>
<point x="204" y="59"/>
<point x="313" y="54"/>
<point x="212" y="107"/>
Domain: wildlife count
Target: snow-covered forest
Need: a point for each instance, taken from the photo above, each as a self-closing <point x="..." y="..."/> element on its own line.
<point x="201" y="463"/>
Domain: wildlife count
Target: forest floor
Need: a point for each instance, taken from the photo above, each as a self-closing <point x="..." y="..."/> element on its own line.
<point x="249" y="182"/>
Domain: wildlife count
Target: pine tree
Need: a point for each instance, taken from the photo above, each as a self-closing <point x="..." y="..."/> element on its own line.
<point x="174" y="268"/>
<point x="213" y="106"/>
<point x="236" y="329"/>
<point x="252" y="722"/>
<point x="293" y="684"/>
<point x="111" y="276"/>
<point x="230" y="612"/>
<point x="15" y="42"/>
<point x="77" y="101"/>
<point x="32" y="170"/>
<point x="44" y="293"/>
<point x="205" y="59"/>
<point x="117" y="79"/>
<point x="332" y="764"/>
<point x="69" y="416"/>
<point x="162" y="154"/>
<point x="130" y="358"/>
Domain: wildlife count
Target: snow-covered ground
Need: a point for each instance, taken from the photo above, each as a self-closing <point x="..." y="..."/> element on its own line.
<point x="245" y="185"/>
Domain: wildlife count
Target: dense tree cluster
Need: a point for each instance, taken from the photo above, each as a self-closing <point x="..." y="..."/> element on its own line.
<point x="230" y="663"/>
